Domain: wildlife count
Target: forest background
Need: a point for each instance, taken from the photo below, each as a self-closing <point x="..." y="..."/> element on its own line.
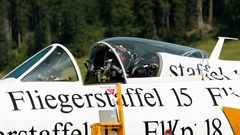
<point x="26" y="26"/>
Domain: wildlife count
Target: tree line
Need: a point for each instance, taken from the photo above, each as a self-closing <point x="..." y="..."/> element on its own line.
<point x="26" y="26"/>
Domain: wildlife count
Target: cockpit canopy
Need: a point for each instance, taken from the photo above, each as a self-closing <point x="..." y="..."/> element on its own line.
<point x="110" y="60"/>
<point x="119" y="58"/>
<point x="53" y="63"/>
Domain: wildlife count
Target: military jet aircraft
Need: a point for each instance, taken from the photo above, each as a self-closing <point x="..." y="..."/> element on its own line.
<point x="165" y="88"/>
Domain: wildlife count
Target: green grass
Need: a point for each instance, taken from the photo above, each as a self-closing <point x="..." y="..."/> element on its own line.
<point x="207" y="45"/>
<point x="230" y="51"/>
<point x="80" y="62"/>
<point x="2" y="74"/>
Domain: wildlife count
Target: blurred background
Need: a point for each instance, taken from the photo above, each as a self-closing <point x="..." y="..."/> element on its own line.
<point x="27" y="26"/>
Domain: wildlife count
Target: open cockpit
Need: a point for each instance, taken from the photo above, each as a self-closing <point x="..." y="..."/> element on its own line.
<point x="122" y="59"/>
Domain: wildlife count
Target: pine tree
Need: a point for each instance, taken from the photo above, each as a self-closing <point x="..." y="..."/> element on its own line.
<point x="143" y="10"/>
<point x="41" y="26"/>
<point x="191" y="14"/>
<point x="3" y="11"/>
<point x="6" y="19"/>
<point x="210" y="12"/>
<point x="200" y="14"/>
<point x="178" y="21"/>
<point x="4" y="32"/>
<point x="231" y="13"/>
<point x="22" y="13"/>
<point x="161" y="18"/>
<point x="120" y="21"/>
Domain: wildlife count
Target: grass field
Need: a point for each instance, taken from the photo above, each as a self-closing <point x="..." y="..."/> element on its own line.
<point x="231" y="51"/>
<point x="2" y="74"/>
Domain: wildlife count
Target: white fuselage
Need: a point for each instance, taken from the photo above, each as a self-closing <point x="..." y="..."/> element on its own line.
<point x="186" y="108"/>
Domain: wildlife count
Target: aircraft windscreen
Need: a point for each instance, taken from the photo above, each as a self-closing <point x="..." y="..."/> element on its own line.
<point x="26" y="65"/>
<point x="56" y="67"/>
